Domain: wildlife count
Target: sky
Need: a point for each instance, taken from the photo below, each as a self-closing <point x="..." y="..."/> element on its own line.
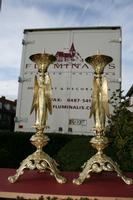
<point x="17" y="15"/>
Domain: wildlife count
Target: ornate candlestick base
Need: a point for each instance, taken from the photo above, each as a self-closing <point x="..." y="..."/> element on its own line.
<point x="100" y="162"/>
<point x="38" y="160"/>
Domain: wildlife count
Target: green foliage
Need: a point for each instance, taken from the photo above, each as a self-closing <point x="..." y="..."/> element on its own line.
<point x="15" y="147"/>
<point x="57" y="141"/>
<point x="121" y="130"/>
<point x="73" y="155"/>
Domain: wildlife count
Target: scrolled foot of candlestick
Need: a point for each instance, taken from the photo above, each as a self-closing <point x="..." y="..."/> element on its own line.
<point x="98" y="163"/>
<point x="41" y="161"/>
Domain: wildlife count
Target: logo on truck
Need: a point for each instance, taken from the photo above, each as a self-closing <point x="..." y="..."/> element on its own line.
<point x="69" y="59"/>
<point x="71" y="55"/>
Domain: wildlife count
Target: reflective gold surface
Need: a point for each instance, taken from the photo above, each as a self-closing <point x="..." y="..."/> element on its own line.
<point x="99" y="106"/>
<point x="41" y="105"/>
<point x="43" y="60"/>
<point x="98" y="62"/>
<point x="99" y="109"/>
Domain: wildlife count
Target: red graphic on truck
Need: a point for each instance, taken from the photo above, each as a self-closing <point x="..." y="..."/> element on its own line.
<point x="71" y="55"/>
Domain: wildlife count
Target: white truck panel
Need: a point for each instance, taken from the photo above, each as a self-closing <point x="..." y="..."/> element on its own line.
<point x="71" y="75"/>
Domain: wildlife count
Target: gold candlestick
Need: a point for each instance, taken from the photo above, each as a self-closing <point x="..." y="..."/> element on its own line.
<point x="42" y="105"/>
<point x="99" y="109"/>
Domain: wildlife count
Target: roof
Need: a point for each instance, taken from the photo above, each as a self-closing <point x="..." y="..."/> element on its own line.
<point x="59" y="53"/>
<point x="72" y="47"/>
<point x="4" y="100"/>
<point x="73" y="28"/>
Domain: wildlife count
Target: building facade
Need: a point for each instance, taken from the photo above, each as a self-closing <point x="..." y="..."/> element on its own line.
<point x="7" y="113"/>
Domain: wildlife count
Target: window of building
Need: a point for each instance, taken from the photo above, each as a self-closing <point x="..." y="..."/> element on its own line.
<point x="7" y="106"/>
<point x="14" y="108"/>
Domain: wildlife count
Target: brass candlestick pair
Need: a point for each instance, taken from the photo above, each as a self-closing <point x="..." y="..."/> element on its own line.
<point x="42" y="105"/>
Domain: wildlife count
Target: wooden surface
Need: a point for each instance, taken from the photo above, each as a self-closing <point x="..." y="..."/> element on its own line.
<point x="32" y="184"/>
